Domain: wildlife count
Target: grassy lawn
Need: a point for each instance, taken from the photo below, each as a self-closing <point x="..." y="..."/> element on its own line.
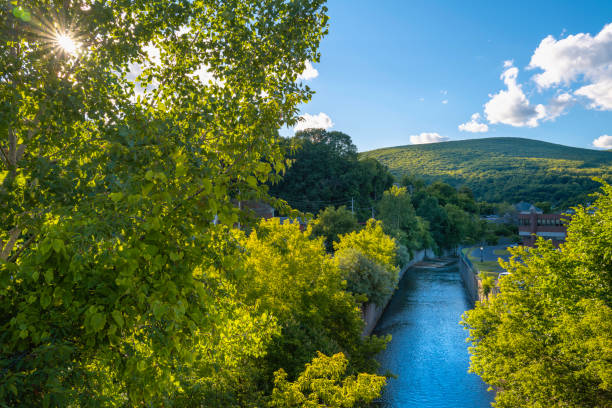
<point x="487" y="266"/>
<point x="501" y="252"/>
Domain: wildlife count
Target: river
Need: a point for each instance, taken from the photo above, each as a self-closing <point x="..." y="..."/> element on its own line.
<point x="428" y="351"/>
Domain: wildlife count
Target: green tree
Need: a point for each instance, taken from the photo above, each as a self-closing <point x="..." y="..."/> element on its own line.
<point x="290" y="276"/>
<point x="546" y="338"/>
<point x="325" y="171"/>
<point x="399" y="218"/>
<point x="117" y="152"/>
<point x="366" y="277"/>
<point x="333" y="222"/>
<point x="325" y="384"/>
<point x="372" y="242"/>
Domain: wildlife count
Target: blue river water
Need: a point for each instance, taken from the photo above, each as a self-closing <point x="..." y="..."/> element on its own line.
<point x="428" y="351"/>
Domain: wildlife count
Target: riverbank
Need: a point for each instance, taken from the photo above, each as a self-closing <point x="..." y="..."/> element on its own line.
<point x="372" y="312"/>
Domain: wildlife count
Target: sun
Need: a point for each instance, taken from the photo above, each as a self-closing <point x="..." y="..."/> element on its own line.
<point x="67" y="43"/>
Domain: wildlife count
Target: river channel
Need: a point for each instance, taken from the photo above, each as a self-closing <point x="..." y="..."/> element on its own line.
<point x="428" y="352"/>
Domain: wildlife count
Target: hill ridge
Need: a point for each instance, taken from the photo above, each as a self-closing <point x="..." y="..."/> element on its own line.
<point x="504" y="168"/>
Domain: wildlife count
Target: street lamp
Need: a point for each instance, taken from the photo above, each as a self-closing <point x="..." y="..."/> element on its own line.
<point x="481" y="254"/>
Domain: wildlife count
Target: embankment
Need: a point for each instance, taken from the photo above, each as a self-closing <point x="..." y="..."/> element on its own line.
<point x="373" y="312"/>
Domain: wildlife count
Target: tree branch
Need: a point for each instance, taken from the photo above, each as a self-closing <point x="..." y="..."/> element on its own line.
<point x="10" y="244"/>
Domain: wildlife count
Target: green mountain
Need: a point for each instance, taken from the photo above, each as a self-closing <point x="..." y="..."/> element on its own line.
<point x="504" y="168"/>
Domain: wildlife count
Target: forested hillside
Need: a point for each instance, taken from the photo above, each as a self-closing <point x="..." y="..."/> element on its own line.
<point x="504" y="169"/>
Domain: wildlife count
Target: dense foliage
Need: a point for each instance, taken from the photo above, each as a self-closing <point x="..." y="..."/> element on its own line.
<point x="127" y="128"/>
<point x="333" y="222"/>
<point x="289" y="275"/>
<point x="504" y="169"/>
<point x="324" y="385"/>
<point x="451" y="214"/>
<point x="326" y="172"/>
<point x="546" y="339"/>
<point x="369" y="261"/>
<point x="397" y="213"/>
<point x="366" y="277"/>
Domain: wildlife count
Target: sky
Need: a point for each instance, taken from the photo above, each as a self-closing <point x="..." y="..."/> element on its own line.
<point x="416" y="71"/>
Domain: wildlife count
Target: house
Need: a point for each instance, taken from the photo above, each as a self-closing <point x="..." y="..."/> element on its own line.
<point x="526" y="208"/>
<point x="258" y="208"/>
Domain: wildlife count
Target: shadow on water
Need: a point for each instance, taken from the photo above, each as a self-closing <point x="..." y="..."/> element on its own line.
<point x="428" y="351"/>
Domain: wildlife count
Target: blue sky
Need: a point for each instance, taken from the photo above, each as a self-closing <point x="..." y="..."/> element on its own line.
<point x="394" y="69"/>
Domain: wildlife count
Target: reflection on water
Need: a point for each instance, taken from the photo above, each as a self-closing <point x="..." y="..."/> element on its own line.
<point x="428" y="352"/>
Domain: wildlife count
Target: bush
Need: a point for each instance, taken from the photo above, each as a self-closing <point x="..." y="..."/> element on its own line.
<point x="373" y="243"/>
<point x="366" y="277"/>
<point x="331" y="223"/>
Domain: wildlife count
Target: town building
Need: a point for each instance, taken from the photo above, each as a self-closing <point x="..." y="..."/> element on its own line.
<point x="548" y="226"/>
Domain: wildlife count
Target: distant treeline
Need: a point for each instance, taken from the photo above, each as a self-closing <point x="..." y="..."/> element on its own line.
<point x="504" y="169"/>
<point x="326" y="177"/>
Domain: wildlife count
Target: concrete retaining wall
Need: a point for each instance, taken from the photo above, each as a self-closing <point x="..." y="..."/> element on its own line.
<point x="470" y="280"/>
<point x="373" y="312"/>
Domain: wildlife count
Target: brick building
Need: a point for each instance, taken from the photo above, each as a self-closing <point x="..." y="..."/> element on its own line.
<point x="548" y="226"/>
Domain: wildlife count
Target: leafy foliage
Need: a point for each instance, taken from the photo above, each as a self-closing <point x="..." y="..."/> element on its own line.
<point x="116" y="288"/>
<point x="399" y="218"/>
<point x="290" y="276"/>
<point x="325" y="384"/>
<point x="504" y="169"/>
<point x="333" y="222"/>
<point x="326" y="172"/>
<point x="451" y="214"/>
<point x="365" y="276"/>
<point x="545" y="339"/>
<point x="372" y="242"/>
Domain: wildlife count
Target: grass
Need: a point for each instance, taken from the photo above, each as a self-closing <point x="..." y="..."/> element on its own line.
<point x="488" y="267"/>
<point x="501" y="252"/>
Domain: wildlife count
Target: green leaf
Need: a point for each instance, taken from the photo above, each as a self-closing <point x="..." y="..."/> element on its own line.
<point x="45" y="300"/>
<point x="58" y="245"/>
<point x="251" y="181"/>
<point x="49" y="276"/>
<point x="181" y="170"/>
<point x="97" y="322"/>
<point x="158" y="310"/>
<point x="116" y="196"/>
<point x="118" y="318"/>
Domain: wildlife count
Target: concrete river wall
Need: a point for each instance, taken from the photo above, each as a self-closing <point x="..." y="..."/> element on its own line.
<point x="372" y="312"/>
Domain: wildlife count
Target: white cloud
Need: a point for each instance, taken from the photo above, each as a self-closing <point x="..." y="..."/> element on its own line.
<point x="445" y="101"/>
<point x="474" y="125"/>
<point x="427" y="138"/>
<point x="508" y="63"/>
<point x="307" y="121"/>
<point x="579" y="57"/>
<point x="600" y="94"/>
<point x="558" y="106"/>
<point x="444" y="92"/>
<point x="603" y="142"/>
<point x="310" y="72"/>
<point x="511" y="106"/>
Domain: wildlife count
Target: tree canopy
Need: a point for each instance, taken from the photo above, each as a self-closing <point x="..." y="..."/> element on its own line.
<point x="127" y="129"/>
<point x="325" y="171"/>
<point x="546" y="339"/>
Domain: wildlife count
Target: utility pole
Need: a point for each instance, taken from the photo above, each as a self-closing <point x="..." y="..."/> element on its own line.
<point x="352" y="212"/>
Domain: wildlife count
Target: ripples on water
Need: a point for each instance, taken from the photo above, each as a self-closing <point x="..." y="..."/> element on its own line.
<point x="428" y="352"/>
